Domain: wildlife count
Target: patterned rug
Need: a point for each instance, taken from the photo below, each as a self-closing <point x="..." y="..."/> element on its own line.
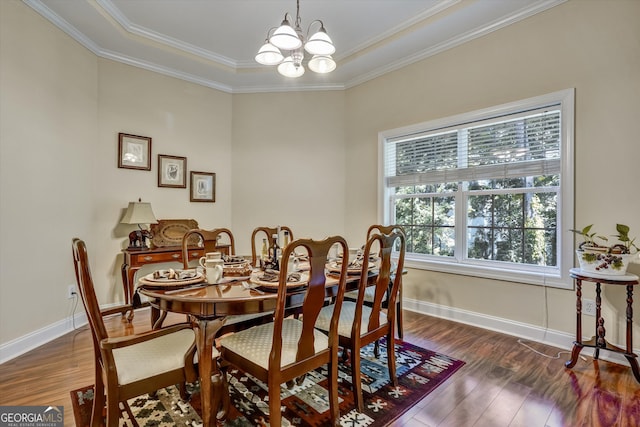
<point x="419" y="372"/>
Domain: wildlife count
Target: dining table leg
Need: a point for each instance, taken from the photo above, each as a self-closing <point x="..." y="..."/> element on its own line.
<point x="211" y="382"/>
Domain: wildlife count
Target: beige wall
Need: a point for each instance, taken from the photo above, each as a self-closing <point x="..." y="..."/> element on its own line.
<point x="48" y="125"/>
<point x="62" y="110"/>
<point x="288" y="164"/>
<point x="589" y="45"/>
<point x="308" y="160"/>
<point x="183" y="119"/>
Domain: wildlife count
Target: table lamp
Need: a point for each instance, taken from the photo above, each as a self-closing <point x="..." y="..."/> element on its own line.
<point x="139" y="213"/>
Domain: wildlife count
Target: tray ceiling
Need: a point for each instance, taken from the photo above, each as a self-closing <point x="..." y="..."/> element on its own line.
<point x="213" y="42"/>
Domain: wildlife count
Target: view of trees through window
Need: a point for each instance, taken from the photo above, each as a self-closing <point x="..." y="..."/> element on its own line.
<point x="497" y="182"/>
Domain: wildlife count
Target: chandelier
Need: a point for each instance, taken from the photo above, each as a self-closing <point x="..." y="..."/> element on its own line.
<point x="285" y="46"/>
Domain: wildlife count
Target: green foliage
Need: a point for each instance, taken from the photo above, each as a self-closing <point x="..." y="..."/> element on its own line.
<point x="626" y="244"/>
<point x="589" y="238"/>
<point x="623" y="236"/>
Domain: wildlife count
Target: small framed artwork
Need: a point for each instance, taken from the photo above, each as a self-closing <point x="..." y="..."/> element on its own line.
<point x="203" y="187"/>
<point x="172" y="171"/>
<point x="134" y="152"/>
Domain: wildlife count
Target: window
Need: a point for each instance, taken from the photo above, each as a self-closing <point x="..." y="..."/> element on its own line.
<point x="488" y="193"/>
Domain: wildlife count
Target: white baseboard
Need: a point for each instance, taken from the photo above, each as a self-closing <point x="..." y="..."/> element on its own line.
<point x="23" y="344"/>
<point x="525" y="331"/>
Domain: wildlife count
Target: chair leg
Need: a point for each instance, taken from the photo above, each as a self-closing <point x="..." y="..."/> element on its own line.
<point x="391" y="358"/>
<point x="399" y="318"/>
<point x="399" y="313"/>
<point x="182" y="387"/>
<point x="275" y="417"/>
<point x="334" y="407"/>
<point x="97" y="412"/>
<point x="356" y="377"/>
<point x="225" y="399"/>
<point x="113" y="411"/>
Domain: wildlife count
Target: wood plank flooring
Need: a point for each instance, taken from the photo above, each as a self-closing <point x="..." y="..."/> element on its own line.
<point x="502" y="384"/>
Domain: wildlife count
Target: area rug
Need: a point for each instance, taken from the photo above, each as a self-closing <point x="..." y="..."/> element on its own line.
<point x="419" y="371"/>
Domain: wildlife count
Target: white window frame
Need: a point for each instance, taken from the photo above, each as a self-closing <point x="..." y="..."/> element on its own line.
<point x="557" y="276"/>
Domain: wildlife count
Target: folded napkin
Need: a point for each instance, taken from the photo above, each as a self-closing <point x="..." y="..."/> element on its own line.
<point x="232" y="259"/>
<point x="172" y="274"/>
<point x="269" y="275"/>
<point x="273" y="276"/>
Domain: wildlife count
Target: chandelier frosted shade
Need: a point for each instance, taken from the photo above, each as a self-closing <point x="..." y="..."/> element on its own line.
<point x="269" y="55"/>
<point x="289" y="68"/>
<point x="285" y="37"/>
<point x="322" y="64"/>
<point x="320" y="44"/>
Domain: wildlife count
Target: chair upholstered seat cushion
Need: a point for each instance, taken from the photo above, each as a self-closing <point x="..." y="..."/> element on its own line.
<point x="346" y="318"/>
<point x="369" y="294"/>
<point x="255" y="343"/>
<point x="153" y="357"/>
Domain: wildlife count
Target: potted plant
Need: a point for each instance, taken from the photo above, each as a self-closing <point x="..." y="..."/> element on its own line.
<point x="606" y="259"/>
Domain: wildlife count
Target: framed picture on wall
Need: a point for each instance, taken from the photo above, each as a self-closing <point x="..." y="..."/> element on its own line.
<point x="203" y="187"/>
<point x="134" y="152"/>
<point x="172" y="171"/>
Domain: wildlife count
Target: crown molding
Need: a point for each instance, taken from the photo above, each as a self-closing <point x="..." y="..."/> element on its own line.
<point x="114" y="13"/>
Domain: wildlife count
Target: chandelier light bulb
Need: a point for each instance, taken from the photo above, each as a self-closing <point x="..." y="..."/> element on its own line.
<point x="269" y="55"/>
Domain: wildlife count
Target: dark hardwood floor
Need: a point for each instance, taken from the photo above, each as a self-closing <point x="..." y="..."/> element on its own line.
<point x="502" y="384"/>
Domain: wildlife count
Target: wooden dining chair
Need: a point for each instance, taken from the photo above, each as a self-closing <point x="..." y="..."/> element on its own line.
<point x="386" y="229"/>
<point x="362" y="323"/>
<point x="265" y="233"/>
<point x="287" y="348"/>
<point x="232" y="323"/>
<point x="208" y="239"/>
<point x="131" y="365"/>
<point x="369" y="295"/>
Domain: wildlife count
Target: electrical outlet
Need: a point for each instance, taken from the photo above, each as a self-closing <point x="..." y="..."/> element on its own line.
<point x="589" y="307"/>
<point x="71" y="292"/>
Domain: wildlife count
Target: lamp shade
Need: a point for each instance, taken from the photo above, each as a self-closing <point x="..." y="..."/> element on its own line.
<point x="285" y="37"/>
<point x="139" y="213"/>
<point x="322" y="64"/>
<point x="269" y="55"/>
<point x="320" y="44"/>
<point x="289" y="69"/>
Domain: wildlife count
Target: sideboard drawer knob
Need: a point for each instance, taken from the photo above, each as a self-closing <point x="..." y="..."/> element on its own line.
<point x="148" y="258"/>
<point x="175" y="256"/>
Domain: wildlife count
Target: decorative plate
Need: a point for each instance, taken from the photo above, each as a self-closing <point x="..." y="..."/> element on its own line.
<point x="161" y="279"/>
<point x="169" y="232"/>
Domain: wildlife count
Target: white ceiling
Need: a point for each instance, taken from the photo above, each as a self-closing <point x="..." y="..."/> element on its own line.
<point x="213" y="42"/>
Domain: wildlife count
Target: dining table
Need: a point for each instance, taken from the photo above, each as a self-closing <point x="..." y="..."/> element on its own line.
<point x="209" y="306"/>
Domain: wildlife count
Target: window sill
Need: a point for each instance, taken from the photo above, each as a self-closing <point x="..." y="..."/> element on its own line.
<point x="503" y="274"/>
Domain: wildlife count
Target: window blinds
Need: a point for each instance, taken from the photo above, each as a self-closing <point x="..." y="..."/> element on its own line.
<point x="509" y="146"/>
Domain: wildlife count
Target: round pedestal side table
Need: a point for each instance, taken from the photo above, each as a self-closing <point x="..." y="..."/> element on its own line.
<point x="598" y="341"/>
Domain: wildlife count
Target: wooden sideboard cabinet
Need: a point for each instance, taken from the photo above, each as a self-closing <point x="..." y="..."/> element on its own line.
<point x="134" y="259"/>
